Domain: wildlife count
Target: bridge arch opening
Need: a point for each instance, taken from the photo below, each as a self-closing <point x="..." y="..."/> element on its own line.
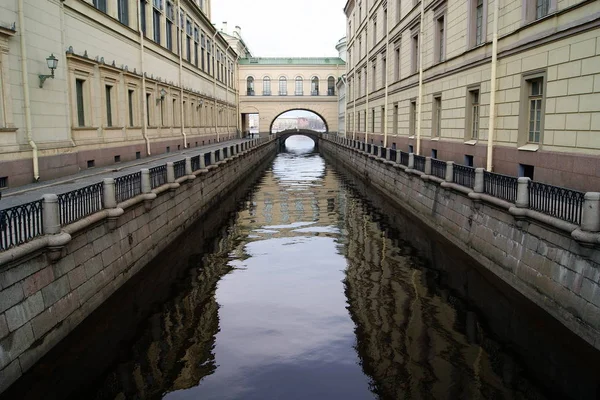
<point x="299" y="144"/>
<point x="300" y="119"/>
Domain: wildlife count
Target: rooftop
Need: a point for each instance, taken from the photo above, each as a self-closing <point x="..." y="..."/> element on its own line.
<point x="292" y="61"/>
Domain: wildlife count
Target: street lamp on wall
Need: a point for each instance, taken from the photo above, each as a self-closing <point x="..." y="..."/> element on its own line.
<point x="52" y="63"/>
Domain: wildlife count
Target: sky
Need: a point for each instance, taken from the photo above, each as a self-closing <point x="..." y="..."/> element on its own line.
<point x="285" y="28"/>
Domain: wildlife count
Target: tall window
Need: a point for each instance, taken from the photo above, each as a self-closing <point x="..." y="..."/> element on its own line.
<point x="384" y="21"/>
<point x="412" y="122"/>
<point x="374" y="77"/>
<point x="395" y="119"/>
<point x="398" y="10"/>
<point x="358" y="121"/>
<point x="266" y="86"/>
<point x="331" y="86"/>
<point x="397" y="62"/>
<point x="196" y="41"/>
<point x="79" y="87"/>
<point x="374" y="30"/>
<point x="541" y="8"/>
<point x="130" y="94"/>
<point x="372" y="120"/>
<point x="473" y="117"/>
<point x="250" y="86"/>
<point x="148" y="109"/>
<point x="156" y="14"/>
<point x="169" y="30"/>
<point x="436" y="129"/>
<point x="100" y="5"/>
<point x="359" y="48"/>
<point x="479" y="22"/>
<point x="203" y="50"/>
<point x="299" y="86"/>
<point x="108" y="95"/>
<point x="384" y="71"/>
<point x="162" y="112"/>
<point x="282" y="86"/>
<point x="123" y="11"/>
<point x="359" y="84"/>
<point x="415" y="53"/>
<point x="143" y="16"/>
<point x="208" y="52"/>
<point x="314" y="86"/>
<point x="440" y="40"/>
<point x="535" y="108"/>
<point x="188" y="43"/>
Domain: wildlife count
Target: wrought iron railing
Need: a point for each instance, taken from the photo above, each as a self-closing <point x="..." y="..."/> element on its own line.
<point x="393" y="155"/>
<point x="128" y="186"/>
<point x="419" y="163"/>
<point x="464" y="176"/>
<point x="369" y="150"/>
<point x="438" y="168"/>
<point x="375" y="150"/>
<point x="20" y="224"/>
<point x="562" y="203"/>
<point x="80" y="203"/>
<point x="195" y="163"/>
<point x="207" y="159"/>
<point x="179" y="168"/>
<point x="383" y="152"/>
<point x="158" y="176"/>
<point x="404" y="158"/>
<point x="501" y="186"/>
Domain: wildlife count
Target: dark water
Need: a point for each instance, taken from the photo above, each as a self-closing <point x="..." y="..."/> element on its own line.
<point x="314" y="288"/>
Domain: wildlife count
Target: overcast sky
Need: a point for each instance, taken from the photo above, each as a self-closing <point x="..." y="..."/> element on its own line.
<point x="285" y="28"/>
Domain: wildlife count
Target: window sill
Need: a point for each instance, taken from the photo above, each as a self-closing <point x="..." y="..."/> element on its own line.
<point x="530" y="147"/>
<point x="8" y="129"/>
<point x="472" y="142"/>
<point x="83" y="128"/>
<point x="112" y="128"/>
<point x="411" y="137"/>
<point x="435" y="139"/>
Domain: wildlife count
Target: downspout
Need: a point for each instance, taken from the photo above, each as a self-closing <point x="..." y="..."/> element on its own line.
<point x="354" y="98"/>
<point x="367" y="82"/>
<point x="420" y="99"/>
<point x="385" y="82"/>
<point x="144" y="101"/>
<point x="26" y="100"/>
<point x="215" y="88"/>
<point x="181" y="110"/>
<point x="492" y="121"/>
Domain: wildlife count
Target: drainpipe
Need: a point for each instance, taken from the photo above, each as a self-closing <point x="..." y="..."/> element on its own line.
<point x="367" y="82"/>
<point x="144" y="105"/>
<point x="354" y="98"/>
<point x="27" y="103"/>
<point x="181" y="39"/>
<point x="492" y="121"/>
<point x="215" y="87"/>
<point x="385" y="82"/>
<point x="420" y="100"/>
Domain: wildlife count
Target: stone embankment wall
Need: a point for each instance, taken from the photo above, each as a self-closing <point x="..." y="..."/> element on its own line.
<point x="544" y="263"/>
<point x="43" y="297"/>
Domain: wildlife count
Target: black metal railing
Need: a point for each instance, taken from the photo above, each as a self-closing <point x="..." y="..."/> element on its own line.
<point x="419" y="163"/>
<point x="369" y="149"/>
<point x="404" y="158"/>
<point x="217" y="155"/>
<point x="20" y="224"/>
<point x="375" y="150"/>
<point x="464" y="176"/>
<point x="80" y="203"/>
<point x="195" y="163"/>
<point x="128" y="186"/>
<point x="383" y="152"/>
<point x="179" y="167"/>
<point x="501" y="186"/>
<point x="207" y="159"/>
<point x="393" y="155"/>
<point x="438" y="168"/>
<point x="562" y="203"/>
<point x="158" y="176"/>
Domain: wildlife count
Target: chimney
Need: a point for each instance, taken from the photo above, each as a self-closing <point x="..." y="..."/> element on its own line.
<point x="224" y="28"/>
<point x="238" y="31"/>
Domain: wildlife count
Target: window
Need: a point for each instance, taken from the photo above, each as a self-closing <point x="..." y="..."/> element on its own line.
<point x="412" y="118"/>
<point x="299" y="86"/>
<point x="469" y="160"/>
<point x="374" y="31"/>
<point x="384" y="71"/>
<point x="398" y="10"/>
<point x="415" y="53"/>
<point x="148" y="109"/>
<point x="359" y="84"/>
<point x="117" y="158"/>
<point x="440" y="40"/>
<point x="411" y="148"/>
<point x="203" y="49"/>
<point x="359" y="48"/>
<point x="434" y="153"/>
<point x="130" y="94"/>
<point x="188" y="42"/>
<point x="436" y="117"/>
<point x="542" y="7"/>
<point x="374" y="77"/>
<point x="358" y="121"/>
<point x="175" y="114"/>
<point x="535" y="109"/>
<point x="283" y="86"/>
<point x="372" y="120"/>
<point x="196" y="40"/>
<point x="266" y="86"/>
<point x="156" y="25"/>
<point x="123" y="11"/>
<point x="100" y="5"/>
<point x="169" y="30"/>
<point x="138" y="155"/>
<point x="472" y="115"/>
<point x="383" y="120"/>
<point x="79" y="92"/>
<point x="314" y="86"/>
<point x="359" y="13"/>
<point x="250" y="86"/>
<point x="526" y="170"/>
<point x="385" y="21"/>
<point x="364" y="89"/>
<point x="331" y="86"/>
<point x="478" y="24"/>
<point x="397" y="62"/>
<point x="108" y="95"/>
<point x="162" y="112"/>
<point x="395" y="119"/>
<point x="143" y="16"/>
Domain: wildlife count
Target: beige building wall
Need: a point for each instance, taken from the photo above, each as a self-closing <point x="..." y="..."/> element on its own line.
<point x="560" y="50"/>
<point x="270" y="104"/>
<point x="101" y="49"/>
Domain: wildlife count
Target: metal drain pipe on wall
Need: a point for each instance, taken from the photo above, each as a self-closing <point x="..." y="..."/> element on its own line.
<point x="492" y="121"/>
<point x="420" y="100"/>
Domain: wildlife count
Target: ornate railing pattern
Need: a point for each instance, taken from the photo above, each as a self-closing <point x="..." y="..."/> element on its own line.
<point x="195" y="163"/>
<point x="158" y="176"/>
<point x="502" y="186"/>
<point x="393" y="155"/>
<point x="128" y="186"/>
<point x="20" y="224"/>
<point x="464" y="176"/>
<point x="80" y="203"/>
<point x="438" y="168"/>
<point x="419" y="163"/>
<point x="562" y="203"/>
<point x="179" y="167"/>
<point x="404" y="158"/>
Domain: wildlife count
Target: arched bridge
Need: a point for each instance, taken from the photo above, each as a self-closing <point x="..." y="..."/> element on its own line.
<point x="284" y="135"/>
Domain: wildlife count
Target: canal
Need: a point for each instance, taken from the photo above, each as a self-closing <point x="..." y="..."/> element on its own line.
<point x="305" y="284"/>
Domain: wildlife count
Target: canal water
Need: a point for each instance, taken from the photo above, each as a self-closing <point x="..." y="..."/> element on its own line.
<point x="307" y="285"/>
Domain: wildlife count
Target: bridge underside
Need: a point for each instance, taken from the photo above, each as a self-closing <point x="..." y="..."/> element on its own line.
<point x="284" y="135"/>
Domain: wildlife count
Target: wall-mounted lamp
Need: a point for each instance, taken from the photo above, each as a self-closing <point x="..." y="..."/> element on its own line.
<point x="162" y="93"/>
<point x="52" y="63"/>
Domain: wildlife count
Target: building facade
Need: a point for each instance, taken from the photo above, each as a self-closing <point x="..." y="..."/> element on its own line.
<point x="422" y="77"/>
<point x="133" y="78"/>
<point x="342" y="83"/>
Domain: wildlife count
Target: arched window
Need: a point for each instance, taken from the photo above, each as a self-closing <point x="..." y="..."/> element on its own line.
<point x="283" y="86"/>
<point x="250" y="86"/>
<point x="331" y="86"/>
<point x="266" y="86"/>
<point x="314" y="86"/>
<point x="299" y="86"/>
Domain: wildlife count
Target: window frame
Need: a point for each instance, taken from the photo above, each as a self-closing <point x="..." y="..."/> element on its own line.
<point x="436" y="116"/>
<point x="439" y="49"/>
<point x="282" y="86"/>
<point x="525" y="107"/>
<point x="412" y="117"/>
<point x="299" y="80"/>
<point x="415" y="45"/>
<point x="472" y="113"/>
<point x="472" y="27"/>
<point x="266" y="86"/>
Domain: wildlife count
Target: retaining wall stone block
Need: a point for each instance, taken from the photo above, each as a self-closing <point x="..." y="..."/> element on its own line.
<point x="23" y="312"/>
<point x="18" y="273"/>
<point x="76" y="277"/>
<point x="38" y="280"/>
<point x="3" y="326"/>
<point x="15" y="343"/>
<point x="10" y="296"/>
